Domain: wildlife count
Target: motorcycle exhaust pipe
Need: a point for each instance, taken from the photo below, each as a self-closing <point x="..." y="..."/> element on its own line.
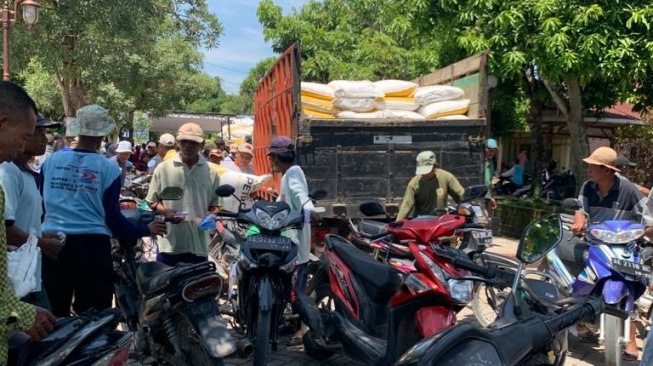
<point x="244" y="347"/>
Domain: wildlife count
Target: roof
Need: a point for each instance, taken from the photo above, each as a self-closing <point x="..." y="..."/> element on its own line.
<point x="619" y="115"/>
<point x="210" y="123"/>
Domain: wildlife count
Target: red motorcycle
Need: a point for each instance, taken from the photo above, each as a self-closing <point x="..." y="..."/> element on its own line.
<point x="363" y="306"/>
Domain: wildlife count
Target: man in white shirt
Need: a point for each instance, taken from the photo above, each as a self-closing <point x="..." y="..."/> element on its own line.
<point x="123" y="152"/>
<point x="242" y="160"/>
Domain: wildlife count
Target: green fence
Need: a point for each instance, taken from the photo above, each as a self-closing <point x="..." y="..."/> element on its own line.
<point x="512" y="215"/>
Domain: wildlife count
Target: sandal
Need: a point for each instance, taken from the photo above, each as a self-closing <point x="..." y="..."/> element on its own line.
<point x="588" y="338"/>
<point x="629" y="356"/>
<point x="295" y="341"/>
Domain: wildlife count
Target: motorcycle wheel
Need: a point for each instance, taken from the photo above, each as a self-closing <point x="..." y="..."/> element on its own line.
<point x="613" y="328"/>
<point x="262" y="338"/>
<point x="192" y="348"/>
<point x="487" y="302"/>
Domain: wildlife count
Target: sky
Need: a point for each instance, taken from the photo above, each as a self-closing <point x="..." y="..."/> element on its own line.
<point x="242" y="45"/>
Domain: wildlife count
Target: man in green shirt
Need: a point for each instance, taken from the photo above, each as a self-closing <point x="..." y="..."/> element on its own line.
<point x="429" y="189"/>
<point x="17" y="122"/>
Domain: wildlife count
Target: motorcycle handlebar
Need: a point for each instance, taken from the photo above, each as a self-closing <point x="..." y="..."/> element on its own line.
<point x="227" y="214"/>
<point x="592" y="306"/>
<point x="489" y="271"/>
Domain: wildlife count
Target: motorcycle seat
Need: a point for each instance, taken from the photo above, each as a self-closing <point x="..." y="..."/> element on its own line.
<point x="381" y="281"/>
<point x="372" y="227"/>
<point x="153" y="276"/>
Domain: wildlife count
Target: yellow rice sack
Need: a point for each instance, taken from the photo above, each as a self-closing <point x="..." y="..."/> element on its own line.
<point x="318" y="105"/>
<point x="396" y="88"/>
<point x="317" y="90"/>
<point x="314" y="114"/>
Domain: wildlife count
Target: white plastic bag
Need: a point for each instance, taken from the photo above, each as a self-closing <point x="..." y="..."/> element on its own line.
<point x="22" y="267"/>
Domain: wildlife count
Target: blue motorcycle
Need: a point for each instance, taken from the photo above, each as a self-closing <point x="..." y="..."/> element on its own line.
<point x="606" y="265"/>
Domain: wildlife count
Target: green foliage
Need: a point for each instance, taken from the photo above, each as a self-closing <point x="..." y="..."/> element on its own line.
<point x="340" y="40"/>
<point x="42" y="88"/>
<point x="635" y="143"/>
<point x="211" y="98"/>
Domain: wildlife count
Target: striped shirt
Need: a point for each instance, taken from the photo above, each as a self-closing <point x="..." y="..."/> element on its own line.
<point x="622" y="202"/>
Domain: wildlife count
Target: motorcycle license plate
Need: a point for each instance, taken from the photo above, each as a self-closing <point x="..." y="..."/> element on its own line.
<point x="484" y="237"/>
<point x="264" y="242"/>
<point x="631" y="268"/>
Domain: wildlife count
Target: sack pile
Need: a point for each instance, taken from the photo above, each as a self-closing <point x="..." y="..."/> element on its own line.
<point x="396" y="99"/>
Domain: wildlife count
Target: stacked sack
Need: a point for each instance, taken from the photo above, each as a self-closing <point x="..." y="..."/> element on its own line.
<point x="395" y="99"/>
<point x="317" y="100"/>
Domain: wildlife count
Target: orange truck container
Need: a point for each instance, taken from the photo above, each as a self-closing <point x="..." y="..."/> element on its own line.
<point x="362" y="160"/>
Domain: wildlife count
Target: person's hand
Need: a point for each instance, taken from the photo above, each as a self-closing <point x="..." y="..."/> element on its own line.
<point x="493" y="203"/>
<point x="44" y="323"/>
<point x="51" y="247"/>
<point x="577" y="227"/>
<point x="157" y="228"/>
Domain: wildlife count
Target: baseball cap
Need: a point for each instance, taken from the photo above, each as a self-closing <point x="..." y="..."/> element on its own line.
<point x="425" y="162"/>
<point x="281" y="144"/>
<point x="152" y="144"/>
<point x="233" y="148"/>
<point x="45" y="122"/>
<point x="190" y="132"/>
<point x="491" y="144"/>
<point x="92" y="120"/>
<point x="246" y="148"/>
<point x="124" y="146"/>
<point x="623" y="162"/>
<point x="167" y="140"/>
<point x="603" y="156"/>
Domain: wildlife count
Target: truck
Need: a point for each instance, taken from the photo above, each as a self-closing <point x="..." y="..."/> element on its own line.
<point x="357" y="160"/>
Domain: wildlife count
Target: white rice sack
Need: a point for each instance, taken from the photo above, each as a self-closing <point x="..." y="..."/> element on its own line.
<point x="452" y="117"/>
<point x="396" y="88"/>
<point x="355" y="89"/>
<point x="446" y="108"/>
<point x="437" y="93"/>
<point x="245" y="184"/>
<point x="397" y="103"/>
<point x="399" y="114"/>
<point x="355" y="104"/>
<point x="317" y="90"/>
<point x="355" y="115"/>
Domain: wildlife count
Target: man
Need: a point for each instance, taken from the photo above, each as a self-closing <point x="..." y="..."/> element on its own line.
<point x="17" y="122"/>
<point x="69" y="140"/>
<point x="242" y="159"/>
<point x="24" y="205"/>
<point x="429" y="189"/>
<point x="293" y="191"/>
<point x="231" y="154"/>
<point x="215" y="156"/>
<point x="150" y="149"/>
<point x="58" y="142"/>
<point x="49" y="149"/>
<point x="220" y="145"/>
<point x="165" y="149"/>
<point x="206" y="150"/>
<point x="123" y="152"/>
<point x="609" y="196"/>
<point x="624" y="165"/>
<point x="490" y="150"/>
<point x="185" y="242"/>
<point x="80" y="193"/>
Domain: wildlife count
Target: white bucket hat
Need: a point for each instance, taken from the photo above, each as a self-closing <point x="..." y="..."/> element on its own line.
<point x="92" y="120"/>
<point x="124" y="146"/>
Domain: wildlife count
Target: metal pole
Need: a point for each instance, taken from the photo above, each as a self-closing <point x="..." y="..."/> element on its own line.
<point x="5" y="41"/>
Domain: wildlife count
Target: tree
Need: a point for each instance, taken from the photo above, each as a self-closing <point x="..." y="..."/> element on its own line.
<point x="340" y="40"/>
<point x="573" y="48"/>
<point x="95" y="47"/>
<point x="212" y="100"/>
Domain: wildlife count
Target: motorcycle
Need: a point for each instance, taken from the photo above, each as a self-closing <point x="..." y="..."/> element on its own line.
<point x="265" y="269"/>
<point x="88" y="339"/>
<point x="607" y="265"/>
<point x="534" y="322"/>
<point x="363" y="306"/>
<point x="171" y="311"/>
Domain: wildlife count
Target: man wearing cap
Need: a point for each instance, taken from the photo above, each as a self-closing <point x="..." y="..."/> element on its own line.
<point x="624" y="165"/>
<point x="80" y="192"/>
<point x="165" y="148"/>
<point x="49" y="148"/>
<point x="123" y="152"/>
<point x="429" y="189"/>
<point x="185" y="242"/>
<point x="231" y="154"/>
<point x="609" y="196"/>
<point x="24" y="205"/>
<point x="242" y="160"/>
<point x="490" y="150"/>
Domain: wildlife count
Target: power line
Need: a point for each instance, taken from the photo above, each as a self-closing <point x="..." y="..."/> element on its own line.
<point x="226" y="68"/>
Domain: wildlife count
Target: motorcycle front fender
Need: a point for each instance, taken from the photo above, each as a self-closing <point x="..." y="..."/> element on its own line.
<point x="613" y="291"/>
<point x="211" y="329"/>
<point x="265" y="295"/>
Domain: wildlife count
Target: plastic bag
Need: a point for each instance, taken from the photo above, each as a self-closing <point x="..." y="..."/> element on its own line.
<point x="207" y="223"/>
<point x="22" y="267"/>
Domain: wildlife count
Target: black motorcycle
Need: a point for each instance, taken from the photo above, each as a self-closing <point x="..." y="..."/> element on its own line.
<point x="265" y="269"/>
<point x="171" y="311"/>
<point x="532" y="328"/>
<point x="88" y="339"/>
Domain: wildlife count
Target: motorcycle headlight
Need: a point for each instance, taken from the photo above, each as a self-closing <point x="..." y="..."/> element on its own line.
<point x="617" y="237"/>
<point x="461" y="291"/>
<point x="271" y="222"/>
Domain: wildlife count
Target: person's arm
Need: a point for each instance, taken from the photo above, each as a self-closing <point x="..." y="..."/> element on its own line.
<point x="298" y="187"/>
<point x="508" y="173"/>
<point x="456" y="190"/>
<point x="580" y="216"/>
<point x="118" y="224"/>
<point x="408" y="202"/>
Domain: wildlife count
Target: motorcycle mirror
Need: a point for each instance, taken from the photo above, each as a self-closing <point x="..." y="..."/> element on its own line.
<point x="225" y="190"/>
<point x="539" y="238"/>
<point x="317" y="194"/>
<point x="571" y="203"/>
<point x="371" y="208"/>
<point x="172" y="193"/>
<point x="473" y="192"/>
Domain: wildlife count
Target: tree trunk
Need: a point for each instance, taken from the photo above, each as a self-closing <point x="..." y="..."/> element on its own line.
<point x="531" y="86"/>
<point x="72" y="94"/>
<point x="579" y="144"/>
